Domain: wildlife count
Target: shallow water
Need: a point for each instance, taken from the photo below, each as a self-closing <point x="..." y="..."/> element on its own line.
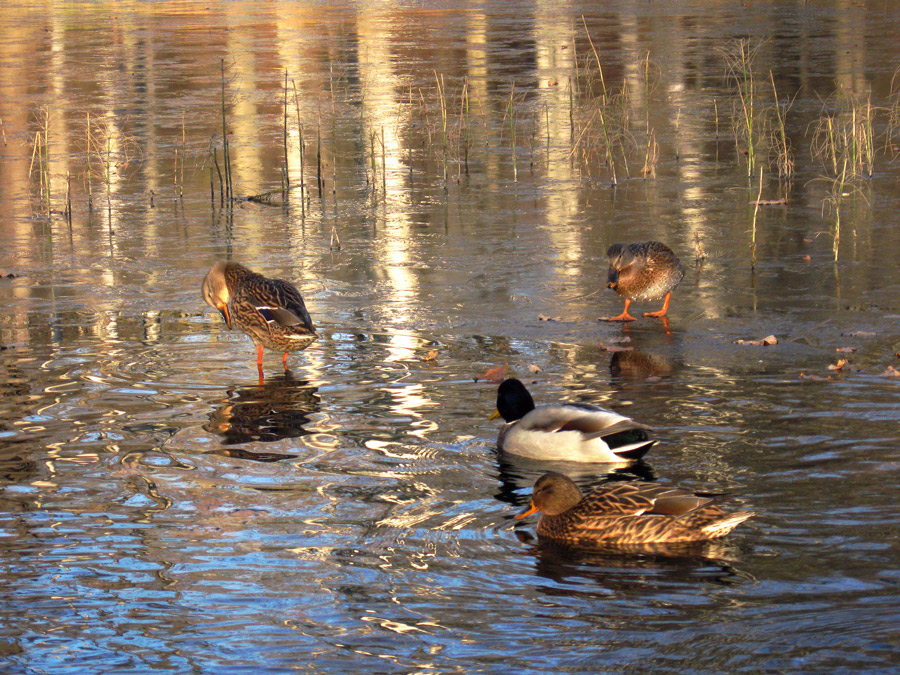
<point x="161" y="509"/>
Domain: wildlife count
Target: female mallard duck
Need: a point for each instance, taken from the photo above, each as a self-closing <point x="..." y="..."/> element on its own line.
<point x="270" y="311"/>
<point x="576" y="432"/>
<point x="626" y="513"/>
<point x="645" y="271"/>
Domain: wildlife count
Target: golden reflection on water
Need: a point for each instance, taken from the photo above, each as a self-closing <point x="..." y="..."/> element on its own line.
<point x="368" y="487"/>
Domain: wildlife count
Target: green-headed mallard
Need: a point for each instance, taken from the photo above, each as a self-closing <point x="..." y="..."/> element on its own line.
<point x="644" y="271"/>
<point x="576" y="432"/>
<point x="270" y="311"/>
<point x="626" y="513"/>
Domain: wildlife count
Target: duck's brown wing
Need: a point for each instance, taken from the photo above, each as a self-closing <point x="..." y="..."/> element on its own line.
<point x="636" y="499"/>
<point x="277" y="301"/>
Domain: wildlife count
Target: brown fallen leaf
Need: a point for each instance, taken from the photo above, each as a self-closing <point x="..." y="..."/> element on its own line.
<point x="845" y="350"/>
<point x="815" y="378"/>
<point x="534" y="369"/>
<point x="542" y="317"/>
<point x="430" y="356"/>
<point x="495" y="374"/>
<point x="807" y="258"/>
<point x="767" y="341"/>
<point x="891" y="372"/>
<point x="837" y="366"/>
<point x="862" y="333"/>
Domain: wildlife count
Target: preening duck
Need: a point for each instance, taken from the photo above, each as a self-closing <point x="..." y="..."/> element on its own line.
<point x="270" y="311"/>
<point x="644" y="271"/>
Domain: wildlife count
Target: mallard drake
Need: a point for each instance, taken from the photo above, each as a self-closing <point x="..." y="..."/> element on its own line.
<point x="270" y="311"/>
<point x="576" y="432"/>
<point x="626" y="512"/>
<point x="644" y="271"/>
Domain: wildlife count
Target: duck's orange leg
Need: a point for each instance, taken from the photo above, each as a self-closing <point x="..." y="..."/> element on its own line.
<point x="259" y="355"/>
<point x="624" y="316"/>
<point x="665" y="307"/>
<point x="284" y="361"/>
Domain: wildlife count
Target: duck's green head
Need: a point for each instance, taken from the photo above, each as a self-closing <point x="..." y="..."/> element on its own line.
<point x="513" y="400"/>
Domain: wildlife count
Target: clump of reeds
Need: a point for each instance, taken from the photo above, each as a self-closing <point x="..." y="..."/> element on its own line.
<point x="600" y="117"/>
<point x="739" y="56"/>
<point x="843" y="140"/>
<point x="845" y="131"/>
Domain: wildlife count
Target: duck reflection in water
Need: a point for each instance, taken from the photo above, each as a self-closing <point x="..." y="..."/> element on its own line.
<point x="625" y="568"/>
<point x="634" y="365"/>
<point x="277" y="409"/>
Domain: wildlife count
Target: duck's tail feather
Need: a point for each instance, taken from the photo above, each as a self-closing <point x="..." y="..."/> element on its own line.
<point x="723" y="526"/>
<point x="634" y="450"/>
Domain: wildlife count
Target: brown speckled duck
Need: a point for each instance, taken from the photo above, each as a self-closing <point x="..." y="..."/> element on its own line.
<point x="644" y="271"/>
<point x="270" y="311"/>
<point x="626" y="513"/>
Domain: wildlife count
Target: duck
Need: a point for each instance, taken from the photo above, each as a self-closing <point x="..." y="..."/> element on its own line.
<point x="575" y="432"/>
<point x="270" y="311"/>
<point x="643" y="271"/>
<point x="627" y="512"/>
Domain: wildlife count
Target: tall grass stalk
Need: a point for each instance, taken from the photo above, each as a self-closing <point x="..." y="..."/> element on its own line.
<point x="651" y="159"/>
<point x="439" y="80"/>
<point x="302" y="152"/>
<point x="226" y="152"/>
<point x="753" y="224"/>
<point x="511" y="111"/>
<point x="784" y="158"/>
<point x="596" y="57"/>
<point x="284" y="135"/>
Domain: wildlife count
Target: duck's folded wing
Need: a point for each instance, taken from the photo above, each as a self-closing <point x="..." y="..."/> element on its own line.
<point x="280" y="316"/>
<point x="618" y="499"/>
<point x="677" y="502"/>
<point x="622" y="435"/>
<point x="636" y="499"/>
<point x="285" y="305"/>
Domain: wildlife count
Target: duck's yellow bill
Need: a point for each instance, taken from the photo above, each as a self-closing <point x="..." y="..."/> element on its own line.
<point x="525" y="514"/>
<point x="494" y="415"/>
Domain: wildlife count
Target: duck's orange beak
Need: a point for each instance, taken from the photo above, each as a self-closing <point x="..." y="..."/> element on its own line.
<point x="525" y="514"/>
<point x="223" y="310"/>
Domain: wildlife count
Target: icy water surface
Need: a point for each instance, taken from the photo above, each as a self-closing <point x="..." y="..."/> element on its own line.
<point x="161" y="509"/>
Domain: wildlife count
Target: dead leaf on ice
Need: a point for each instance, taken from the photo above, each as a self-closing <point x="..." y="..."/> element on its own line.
<point x="767" y="341"/>
<point x="495" y="374"/>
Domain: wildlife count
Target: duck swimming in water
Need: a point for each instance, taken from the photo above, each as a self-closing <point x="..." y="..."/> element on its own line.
<point x="575" y="432"/>
<point x="626" y="512"/>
